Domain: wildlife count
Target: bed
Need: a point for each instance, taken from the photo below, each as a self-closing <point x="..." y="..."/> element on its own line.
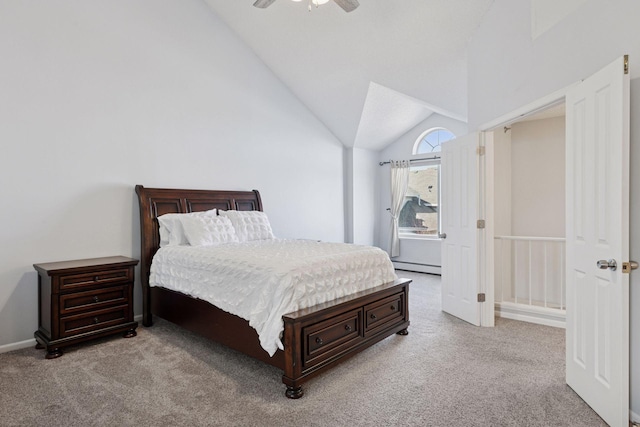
<point x="314" y="339"/>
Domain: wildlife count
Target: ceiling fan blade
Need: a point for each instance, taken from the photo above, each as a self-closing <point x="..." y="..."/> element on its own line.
<point x="263" y="3"/>
<point x="347" y="5"/>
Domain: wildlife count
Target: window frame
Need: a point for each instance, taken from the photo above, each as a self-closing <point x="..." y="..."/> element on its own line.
<point x="423" y="135"/>
<point x="403" y="232"/>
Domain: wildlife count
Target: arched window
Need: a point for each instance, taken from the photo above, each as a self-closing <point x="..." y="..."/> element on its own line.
<point x="420" y="214"/>
<point x="431" y="140"/>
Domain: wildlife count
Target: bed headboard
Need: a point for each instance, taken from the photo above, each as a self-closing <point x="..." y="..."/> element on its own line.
<point x="158" y="201"/>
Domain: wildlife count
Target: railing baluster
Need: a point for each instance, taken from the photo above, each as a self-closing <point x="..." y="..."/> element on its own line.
<point x="530" y="272"/>
<point x="562" y="277"/>
<point x="515" y="268"/>
<point x="502" y="252"/>
<point x="545" y="274"/>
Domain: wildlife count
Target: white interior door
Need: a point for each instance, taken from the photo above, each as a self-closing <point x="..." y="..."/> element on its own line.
<point x="597" y="354"/>
<point x="459" y="215"/>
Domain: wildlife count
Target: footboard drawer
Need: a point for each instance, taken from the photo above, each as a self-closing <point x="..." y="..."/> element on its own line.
<point x="380" y="313"/>
<point x="324" y="339"/>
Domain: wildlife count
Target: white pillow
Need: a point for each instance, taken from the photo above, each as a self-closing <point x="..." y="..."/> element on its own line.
<point x="250" y="225"/>
<point x="208" y="230"/>
<point x="171" y="232"/>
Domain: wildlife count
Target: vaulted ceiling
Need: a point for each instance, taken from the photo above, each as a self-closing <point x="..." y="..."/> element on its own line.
<point x="369" y="75"/>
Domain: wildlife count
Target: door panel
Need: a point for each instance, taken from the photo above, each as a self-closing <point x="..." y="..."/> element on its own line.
<point x="597" y="352"/>
<point x="459" y="207"/>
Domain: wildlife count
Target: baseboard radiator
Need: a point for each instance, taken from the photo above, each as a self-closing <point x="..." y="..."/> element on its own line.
<point x="530" y="279"/>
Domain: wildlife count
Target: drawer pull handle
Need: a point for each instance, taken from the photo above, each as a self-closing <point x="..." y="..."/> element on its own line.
<point x="95" y="320"/>
<point x="393" y="307"/>
<point x="96" y="278"/>
<point x="347" y="328"/>
<point x="319" y="341"/>
<point x="96" y="299"/>
<point x="373" y="316"/>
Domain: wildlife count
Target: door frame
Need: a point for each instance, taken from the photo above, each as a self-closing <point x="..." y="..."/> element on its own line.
<point x="486" y="268"/>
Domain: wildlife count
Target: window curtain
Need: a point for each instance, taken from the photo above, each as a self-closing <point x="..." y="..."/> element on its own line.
<point x="399" y="182"/>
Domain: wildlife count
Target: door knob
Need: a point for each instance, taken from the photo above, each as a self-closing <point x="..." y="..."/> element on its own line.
<point x="604" y="264"/>
<point x="628" y="266"/>
<point x="442" y="235"/>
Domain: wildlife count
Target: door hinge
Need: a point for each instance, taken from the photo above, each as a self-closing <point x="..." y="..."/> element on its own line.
<point x="626" y="64"/>
<point x="628" y="266"/>
<point x="481" y="297"/>
<point x="480" y="150"/>
<point x="481" y="223"/>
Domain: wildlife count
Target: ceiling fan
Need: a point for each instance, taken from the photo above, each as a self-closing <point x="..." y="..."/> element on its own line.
<point x="346" y="5"/>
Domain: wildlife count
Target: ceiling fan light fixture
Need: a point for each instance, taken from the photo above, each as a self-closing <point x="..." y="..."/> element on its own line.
<point x="346" y="5"/>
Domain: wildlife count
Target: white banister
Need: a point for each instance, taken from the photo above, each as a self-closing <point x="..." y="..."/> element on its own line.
<point x="530" y="278"/>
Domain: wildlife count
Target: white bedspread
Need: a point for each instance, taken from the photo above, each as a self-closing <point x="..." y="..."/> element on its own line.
<point x="262" y="280"/>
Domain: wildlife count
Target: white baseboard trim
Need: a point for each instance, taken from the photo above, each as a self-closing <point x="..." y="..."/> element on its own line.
<point x="420" y="268"/>
<point x="138" y="318"/>
<point x="635" y="418"/>
<point x="17" y="345"/>
<point x="531" y="314"/>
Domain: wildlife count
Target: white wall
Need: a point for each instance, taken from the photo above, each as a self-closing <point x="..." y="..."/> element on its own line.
<point x="508" y="70"/>
<point x="502" y="183"/>
<point x="414" y="251"/>
<point x="537" y="178"/>
<point x="99" y="96"/>
<point x="365" y="195"/>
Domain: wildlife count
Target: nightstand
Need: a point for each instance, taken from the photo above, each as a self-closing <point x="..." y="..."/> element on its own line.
<point x="84" y="299"/>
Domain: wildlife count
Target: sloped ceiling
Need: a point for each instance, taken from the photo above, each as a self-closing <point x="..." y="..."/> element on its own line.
<point x="369" y="75"/>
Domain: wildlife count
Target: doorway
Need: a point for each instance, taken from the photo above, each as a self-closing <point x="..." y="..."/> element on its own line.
<point x="529" y="217"/>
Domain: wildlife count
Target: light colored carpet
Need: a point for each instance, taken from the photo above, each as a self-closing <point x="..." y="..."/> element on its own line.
<point x="444" y="373"/>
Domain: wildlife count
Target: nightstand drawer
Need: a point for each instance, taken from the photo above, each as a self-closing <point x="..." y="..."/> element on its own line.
<point x="90" y="321"/>
<point x="93" y="300"/>
<point x="76" y="281"/>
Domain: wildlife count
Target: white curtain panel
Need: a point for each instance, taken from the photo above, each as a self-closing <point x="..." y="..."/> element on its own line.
<point x="399" y="182"/>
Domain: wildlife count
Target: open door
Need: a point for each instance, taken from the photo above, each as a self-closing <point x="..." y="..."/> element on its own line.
<point x="459" y="216"/>
<point x="597" y="353"/>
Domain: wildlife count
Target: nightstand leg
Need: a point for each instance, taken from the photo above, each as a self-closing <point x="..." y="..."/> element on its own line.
<point x="403" y="332"/>
<point x="39" y="346"/>
<point x="130" y="333"/>
<point x="53" y="353"/>
<point x="294" y="392"/>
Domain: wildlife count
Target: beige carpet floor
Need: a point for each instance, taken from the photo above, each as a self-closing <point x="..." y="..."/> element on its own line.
<point x="444" y="373"/>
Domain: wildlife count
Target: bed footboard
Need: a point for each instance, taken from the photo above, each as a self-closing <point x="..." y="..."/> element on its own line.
<point x="317" y="338"/>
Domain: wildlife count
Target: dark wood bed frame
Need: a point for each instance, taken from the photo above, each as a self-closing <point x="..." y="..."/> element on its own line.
<point x="315" y="339"/>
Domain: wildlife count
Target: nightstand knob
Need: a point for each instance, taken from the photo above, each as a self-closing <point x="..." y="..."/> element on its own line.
<point x="373" y="316"/>
<point x="347" y="328"/>
<point x="393" y="307"/>
<point x="96" y="299"/>
<point x="96" y="278"/>
<point x="319" y="341"/>
<point x="95" y="320"/>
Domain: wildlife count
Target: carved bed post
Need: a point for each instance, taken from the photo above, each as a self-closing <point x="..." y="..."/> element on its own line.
<point x="145" y="257"/>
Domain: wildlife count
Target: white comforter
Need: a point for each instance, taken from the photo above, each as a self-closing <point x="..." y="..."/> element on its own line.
<point x="262" y="280"/>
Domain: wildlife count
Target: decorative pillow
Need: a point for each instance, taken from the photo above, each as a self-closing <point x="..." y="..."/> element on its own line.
<point x="208" y="230"/>
<point x="250" y="225"/>
<point x="171" y="232"/>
